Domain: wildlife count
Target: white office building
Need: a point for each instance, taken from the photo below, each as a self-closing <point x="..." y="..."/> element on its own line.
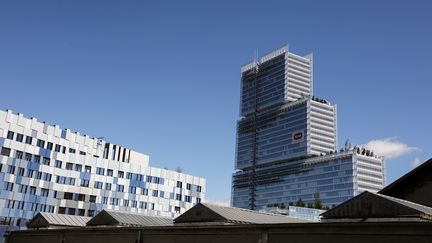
<point x="46" y="169"/>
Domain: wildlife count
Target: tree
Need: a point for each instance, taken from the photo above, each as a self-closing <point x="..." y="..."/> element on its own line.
<point x="300" y="203"/>
<point x="179" y="169"/>
<point x="317" y="202"/>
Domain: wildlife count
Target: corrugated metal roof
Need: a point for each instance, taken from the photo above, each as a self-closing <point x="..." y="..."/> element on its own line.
<point x="205" y="212"/>
<point x="376" y="205"/>
<point x="44" y="219"/>
<point x="128" y="219"/>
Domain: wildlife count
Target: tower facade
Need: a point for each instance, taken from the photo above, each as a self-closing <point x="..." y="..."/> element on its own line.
<point x="281" y="130"/>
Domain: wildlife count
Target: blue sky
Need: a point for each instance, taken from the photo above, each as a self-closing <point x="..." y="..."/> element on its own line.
<point x="162" y="77"/>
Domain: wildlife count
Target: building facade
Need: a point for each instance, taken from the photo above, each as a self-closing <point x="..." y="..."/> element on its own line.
<point x="286" y="147"/>
<point x="46" y="169"/>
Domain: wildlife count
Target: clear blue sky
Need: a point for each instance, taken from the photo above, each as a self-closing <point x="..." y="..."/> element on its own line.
<point x="163" y="77"/>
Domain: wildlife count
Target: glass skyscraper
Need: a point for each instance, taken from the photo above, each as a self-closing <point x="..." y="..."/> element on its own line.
<point x="286" y="146"/>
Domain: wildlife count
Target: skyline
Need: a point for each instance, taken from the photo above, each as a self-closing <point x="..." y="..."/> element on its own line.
<point x="121" y="62"/>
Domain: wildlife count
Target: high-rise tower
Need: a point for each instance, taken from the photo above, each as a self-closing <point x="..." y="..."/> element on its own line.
<point x="281" y="127"/>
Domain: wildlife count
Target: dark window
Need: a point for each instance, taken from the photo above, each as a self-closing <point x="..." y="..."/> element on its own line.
<point x="81" y="212"/>
<point x="177" y="209"/>
<point x="69" y="166"/>
<point x="92" y="199"/>
<point x="33" y="190"/>
<point x="44" y="192"/>
<point x="10" y="135"/>
<point x="71" y="211"/>
<point x="19" y="154"/>
<point x="198" y="188"/>
<point x="21" y="171"/>
<point x="58" y="164"/>
<point x="120" y="174"/>
<point x="81" y="197"/>
<point x="46" y="161"/>
<point x="29" y="140"/>
<point x="28" y="157"/>
<point x="100" y="171"/>
<point x="88" y="169"/>
<point x="178" y="197"/>
<point x="63" y="149"/>
<point x="82" y="153"/>
<point x="19" y="137"/>
<point x="5" y="151"/>
<point x="37" y="159"/>
<point x="62" y="210"/>
<point x="85" y="183"/>
<point x="68" y="195"/>
<point x="78" y="167"/>
<point x="198" y="200"/>
<point x="179" y="184"/>
<point x="188" y="186"/>
<point x="109" y="172"/>
<point x="50" y="146"/>
<point x="90" y="213"/>
<point x="11" y="169"/>
<point x="40" y="143"/>
<point x="72" y="151"/>
<point x="57" y="148"/>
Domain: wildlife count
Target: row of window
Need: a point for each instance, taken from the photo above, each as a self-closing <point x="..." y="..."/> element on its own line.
<point x="41" y="143"/>
<point x="87" y="169"/>
<point x="35" y="207"/>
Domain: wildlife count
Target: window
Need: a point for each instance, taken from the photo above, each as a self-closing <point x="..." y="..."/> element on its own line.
<point x="179" y="184"/>
<point x="143" y="205"/>
<point x="92" y="199"/>
<point x="28" y="157"/>
<point x="109" y="172"/>
<point x="69" y="166"/>
<point x="144" y="191"/>
<point x="107" y="186"/>
<point x="10" y="135"/>
<point x="81" y="197"/>
<point x="100" y="171"/>
<point x="78" y="167"/>
<point x="90" y="213"/>
<point x="152" y="206"/>
<point x="46" y="161"/>
<point x="132" y="189"/>
<point x="37" y="159"/>
<point x="148" y="179"/>
<point x="44" y="192"/>
<point x="71" y="211"/>
<point x="50" y="146"/>
<point x="105" y="200"/>
<point x="120" y="174"/>
<point x="63" y="150"/>
<point x="81" y="212"/>
<point x="55" y="194"/>
<point x="62" y="210"/>
<point x="38" y="175"/>
<point x="19" y="154"/>
<point x="47" y="177"/>
<point x="198" y="200"/>
<point x="134" y="204"/>
<point x="40" y="143"/>
<point x="32" y="190"/>
<point x="125" y="203"/>
<point x="11" y="169"/>
<point x="57" y="148"/>
<point x="128" y="175"/>
<point x="161" y="193"/>
<point x="87" y="169"/>
<point x="22" y="188"/>
<point x="28" y="140"/>
<point x="8" y="186"/>
<point x="178" y="197"/>
<point x="68" y="195"/>
<point x="84" y="183"/>
<point x="5" y="151"/>
<point x="155" y="193"/>
<point x="188" y="199"/>
<point x="177" y="209"/>
<point x="188" y="186"/>
<point x="82" y="153"/>
<point x="198" y="188"/>
<point x="98" y="185"/>
<point x="120" y="188"/>
<point x="19" y="137"/>
<point x="21" y="171"/>
<point x="72" y="151"/>
<point x="30" y="173"/>
<point x="58" y="164"/>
